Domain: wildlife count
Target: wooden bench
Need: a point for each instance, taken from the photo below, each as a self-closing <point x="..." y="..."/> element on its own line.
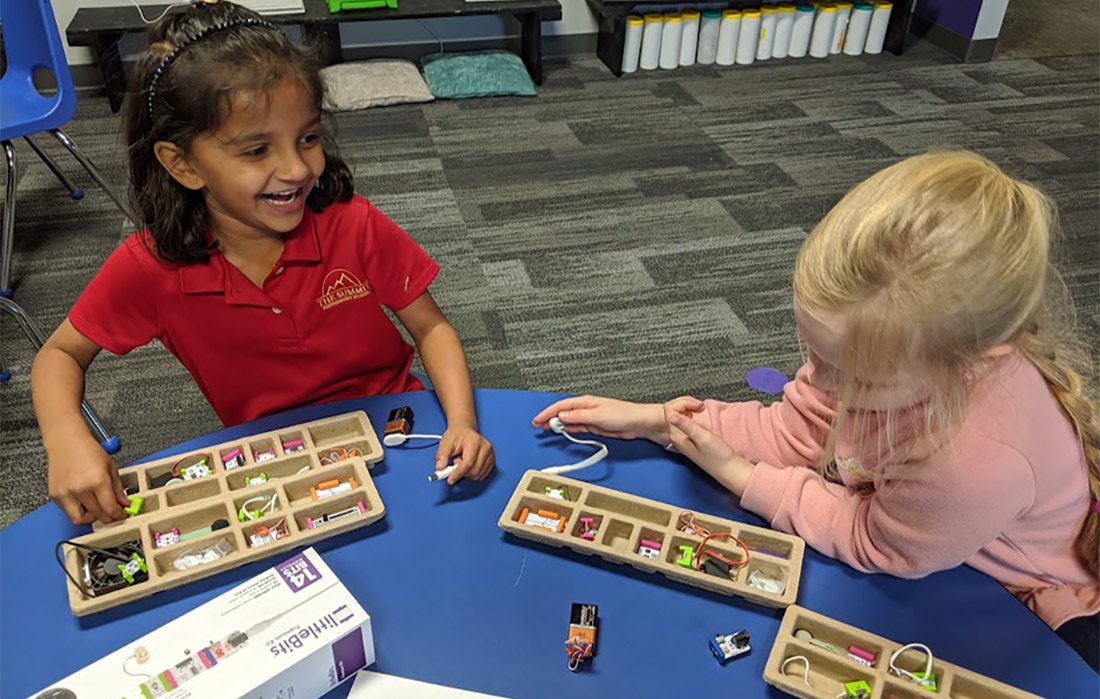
<point x="102" y="28"/>
<point x="611" y="15"/>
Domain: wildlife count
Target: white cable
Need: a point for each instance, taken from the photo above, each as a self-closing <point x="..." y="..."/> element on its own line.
<point x="154" y="21"/>
<point x="558" y="427"/>
<point x="902" y="672"/>
<point x="805" y="671"/>
<point x="396" y="439"/>
<point x="259" y="511"/>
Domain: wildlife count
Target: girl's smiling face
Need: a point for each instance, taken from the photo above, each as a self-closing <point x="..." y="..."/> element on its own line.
<point x="256" y="170"/>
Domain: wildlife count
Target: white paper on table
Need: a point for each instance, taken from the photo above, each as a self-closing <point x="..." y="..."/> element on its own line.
<point x="372" y="685"/>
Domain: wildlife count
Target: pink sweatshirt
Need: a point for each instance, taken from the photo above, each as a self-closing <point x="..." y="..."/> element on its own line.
<point x="1008" y="495"/>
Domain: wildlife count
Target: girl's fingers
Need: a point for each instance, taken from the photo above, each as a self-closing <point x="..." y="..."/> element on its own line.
<point x="564" y="405"/>
<point x="91" y="507"/>
<point x="71" y="507"/>
<point x="120" y="490"/>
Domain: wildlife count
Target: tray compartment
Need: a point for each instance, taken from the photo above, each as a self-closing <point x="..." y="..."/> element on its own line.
<point x="176" y="528"/>
<point x="279" y="468"/>
<point x="765" y="576"/>
<point x="263" y="529"/>
<point x="760" y="544"/>
<point x="643" y="548"/>
<point x="318" y="485"/>
<point x="836" y="636"/>
<point x="538" y="513"/>
<point x="828" y="673"/>
<point x="75" y="558"/>
<point x="233" y="456"/>
<point x="348" y="508"/>
<point x="155" y="475"/>
<point x="542" y="484"/>
<point x="617" y="535"/>
<point x="185" y="493"/>
<point x="257" y="499"/>
<point x="673" y="554"/>
<point x="334" y="432"/>
<point x="627" y="507"/>
<point x="340" y="453"/>
<point x="168" y="560"/>
<point x="263" y="450"/>
<point x="293" y="442"/>
<point x="587" y="526"/>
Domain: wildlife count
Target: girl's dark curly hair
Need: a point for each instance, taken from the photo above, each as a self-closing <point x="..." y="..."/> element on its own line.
<point x="194" y="94"/>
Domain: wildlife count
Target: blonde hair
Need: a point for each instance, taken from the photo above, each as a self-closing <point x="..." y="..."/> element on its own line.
<point x="933" y="262"/>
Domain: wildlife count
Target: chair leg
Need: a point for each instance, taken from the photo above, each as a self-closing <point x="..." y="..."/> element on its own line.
<point x="7" y="238"/>
<point x="75" y="192"/>
<point x="109" y="443"/>
<point x="87" y="164"/>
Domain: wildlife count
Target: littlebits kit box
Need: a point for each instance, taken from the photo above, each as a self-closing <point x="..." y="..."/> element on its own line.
<point x="293" y="631"/>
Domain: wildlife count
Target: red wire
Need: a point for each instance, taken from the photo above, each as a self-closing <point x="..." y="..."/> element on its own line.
<point x="700" y="552"/>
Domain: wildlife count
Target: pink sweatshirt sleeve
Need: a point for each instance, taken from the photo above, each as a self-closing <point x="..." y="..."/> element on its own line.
<point x="946" y="508"/>
<point x="790" y="432"/>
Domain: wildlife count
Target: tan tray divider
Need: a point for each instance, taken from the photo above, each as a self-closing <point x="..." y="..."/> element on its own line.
<point x="195" y="504"/>
<point x="829" y="671"/>
<point x="622" y="520"/>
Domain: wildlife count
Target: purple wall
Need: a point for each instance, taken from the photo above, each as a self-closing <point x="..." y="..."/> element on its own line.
<point x="959" y="16"/>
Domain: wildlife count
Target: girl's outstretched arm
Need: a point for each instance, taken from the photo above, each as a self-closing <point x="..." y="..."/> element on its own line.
<point x="445" y="361"/>
<point x="83" y="479"/>
<point x="789" y="432"/>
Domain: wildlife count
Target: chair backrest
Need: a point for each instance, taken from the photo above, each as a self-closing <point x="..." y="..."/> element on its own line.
<point x="32" y="42"/>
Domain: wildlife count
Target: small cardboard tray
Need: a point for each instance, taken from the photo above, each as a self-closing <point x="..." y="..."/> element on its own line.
<point x="624" y="528"/>
<point x="302" y="483"/>
<point x="831" y="666"/>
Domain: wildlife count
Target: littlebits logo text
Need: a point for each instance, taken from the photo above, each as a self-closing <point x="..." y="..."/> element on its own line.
<point x="293" y="639"/>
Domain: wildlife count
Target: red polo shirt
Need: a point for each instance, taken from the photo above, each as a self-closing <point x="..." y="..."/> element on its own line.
<point x="314" y="332"/>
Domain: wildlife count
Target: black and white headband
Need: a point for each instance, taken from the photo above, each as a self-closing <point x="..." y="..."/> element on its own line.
<point x="170" y="58"/>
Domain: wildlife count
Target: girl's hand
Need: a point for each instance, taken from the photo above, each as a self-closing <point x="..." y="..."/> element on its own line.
<point x="684" y="405"/>
<point x="709" y="452"/>
<point x="473" y="454"/>
<point x="84" y="482"/>
<point x="606" y="417"/>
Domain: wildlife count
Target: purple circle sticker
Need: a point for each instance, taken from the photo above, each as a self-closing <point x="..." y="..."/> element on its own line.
<point x="766" y="380"/>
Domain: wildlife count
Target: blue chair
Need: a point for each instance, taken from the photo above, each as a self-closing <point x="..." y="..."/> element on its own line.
<point x="32" y="43"/>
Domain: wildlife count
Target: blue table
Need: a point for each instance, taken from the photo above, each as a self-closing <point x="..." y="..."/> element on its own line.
<point x="455" y="601"/>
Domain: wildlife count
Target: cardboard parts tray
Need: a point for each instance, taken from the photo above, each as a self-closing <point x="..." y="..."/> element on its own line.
<point x="615" y="526"/>
<point x="829" y="670"/>
<point x="287" y="465"/>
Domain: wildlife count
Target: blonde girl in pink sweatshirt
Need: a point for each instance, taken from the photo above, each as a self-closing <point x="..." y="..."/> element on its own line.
<point x="942" y="414"/>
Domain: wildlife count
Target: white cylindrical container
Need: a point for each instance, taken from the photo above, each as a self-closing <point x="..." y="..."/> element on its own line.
<point x="632" y="43"/>
<point x="689" y="41"/>
<point x="783" y="27"/>
<point x="876" y="33"/>
<point x="748" y="37"/>
<point x="843" y="12"/>
<point x="708" y="37"/>
<point x="822" y="37"/>
<point x="728" y="35"/>
<point x="801" y="31"/>
<point x="671" y="34"/>
<point x="858" y="24"/>
<point x="769" y="18"/>
<point x="651" y="41"/>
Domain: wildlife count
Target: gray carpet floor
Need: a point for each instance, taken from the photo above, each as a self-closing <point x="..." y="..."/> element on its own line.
<point x="632" y="237"/>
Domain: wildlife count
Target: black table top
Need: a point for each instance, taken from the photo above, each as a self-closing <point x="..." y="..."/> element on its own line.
<point x="88" y="22"/>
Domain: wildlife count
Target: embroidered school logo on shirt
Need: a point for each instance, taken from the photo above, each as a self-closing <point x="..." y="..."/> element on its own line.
<point x="339" y="286"/>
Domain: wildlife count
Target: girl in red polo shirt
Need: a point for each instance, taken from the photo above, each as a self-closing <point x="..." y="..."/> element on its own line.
<point x="258" y="267"/>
